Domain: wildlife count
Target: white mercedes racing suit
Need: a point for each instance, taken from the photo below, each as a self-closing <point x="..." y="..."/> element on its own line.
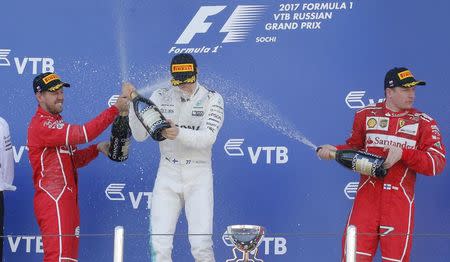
<point x="6" y="158"/>
<point x="184" y="176"/>
<point x="6" y="172"/>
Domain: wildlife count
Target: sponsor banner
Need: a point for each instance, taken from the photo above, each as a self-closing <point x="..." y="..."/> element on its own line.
<point x="267" y="154"/>
<point x="25" y="65"/>
<point x="354" y="100"/>
<point x="260" y="23"/>
<point x="380" y="140"/>
<point x="116" y="192"/>
<point x="289" y="72"/>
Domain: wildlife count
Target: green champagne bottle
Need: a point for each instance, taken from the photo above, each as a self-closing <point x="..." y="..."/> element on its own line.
<point x="120" y="139"/>
<point x="361" y="162"/>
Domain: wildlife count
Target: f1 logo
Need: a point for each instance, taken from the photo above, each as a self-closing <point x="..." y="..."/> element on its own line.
<point x="237" y="26"/>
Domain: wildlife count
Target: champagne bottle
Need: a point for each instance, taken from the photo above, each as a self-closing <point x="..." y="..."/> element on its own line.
<point x="361" y="162"/>
<point x="120" y="138"/>
<point x="151" y="118"/>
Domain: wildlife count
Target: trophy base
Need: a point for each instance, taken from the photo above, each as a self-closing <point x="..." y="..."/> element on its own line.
<point x="246" y="256"/>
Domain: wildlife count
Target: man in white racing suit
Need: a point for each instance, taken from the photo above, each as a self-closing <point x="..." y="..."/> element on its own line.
<point x="184" y="176"/>
<point x="6" y="172"/>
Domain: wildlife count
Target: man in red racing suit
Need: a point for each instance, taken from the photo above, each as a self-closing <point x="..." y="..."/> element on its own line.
<point x="383" y="209"/>
<point x="54" y="158"/>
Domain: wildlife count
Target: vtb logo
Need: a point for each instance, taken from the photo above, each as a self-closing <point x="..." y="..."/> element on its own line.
<point x="4" y="57"/>
<point x="354" y="99"/>
<point x="233" y="148"/>
<point x="113" y="100"/>
<point x="114" y="193"/>
<point x="32" y="244"/>
<point x="38" y="64"/>
<point x="351" y="189"/>
<point x="238" y="25"/>
<point x="18" y="152"/>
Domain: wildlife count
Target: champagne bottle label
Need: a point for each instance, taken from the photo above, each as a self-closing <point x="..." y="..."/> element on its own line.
<point x="361" y="162"/>
<point x="119" y="149"/>
<point x="151" y="118"/>
<point x="362" y="165"/>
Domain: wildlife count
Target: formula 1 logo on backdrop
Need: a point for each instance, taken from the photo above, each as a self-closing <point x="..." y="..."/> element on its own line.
<point x="236" y="27"/>
<point x="279" y="154"/>
<point x="271" y="245"/>
<point x="36" y="65"/>
<point x="114" y="192"/>
<point x="354" y="99"/>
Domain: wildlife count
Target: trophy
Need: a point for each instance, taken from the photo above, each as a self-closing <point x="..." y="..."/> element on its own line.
<point x="149" y="115"/>
<point x="246" y="238"/>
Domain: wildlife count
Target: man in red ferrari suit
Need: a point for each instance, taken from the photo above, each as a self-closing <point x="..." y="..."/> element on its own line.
<point x="411" y="142"/>
<point x="54" y="158"/>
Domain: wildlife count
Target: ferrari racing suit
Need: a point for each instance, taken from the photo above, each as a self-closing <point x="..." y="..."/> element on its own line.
<point x="383" y="209"/>
<point x="184" y="176"/>
<point x="54" y="158"/>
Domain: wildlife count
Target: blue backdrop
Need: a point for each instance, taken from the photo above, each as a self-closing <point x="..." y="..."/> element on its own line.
<point x="293" y="70"/>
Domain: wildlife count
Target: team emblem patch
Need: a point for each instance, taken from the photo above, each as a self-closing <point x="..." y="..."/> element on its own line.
<point x="371" y="122"/>
<point x="377" y="123"/>
<point x="409" y="129"/>
<point x="197" y="113"/>
<point x="384" y="123"/>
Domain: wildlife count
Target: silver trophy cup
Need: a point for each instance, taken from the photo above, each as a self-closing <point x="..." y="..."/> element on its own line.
<point x="246" y="238"/>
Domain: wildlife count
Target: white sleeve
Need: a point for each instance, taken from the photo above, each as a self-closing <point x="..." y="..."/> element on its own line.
<point x="6" y="158"/>
<point x="206" y="135"/>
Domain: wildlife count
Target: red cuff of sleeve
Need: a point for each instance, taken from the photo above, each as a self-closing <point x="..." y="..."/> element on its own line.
<point x="406" y="154"/>
<point x="94" y="149"/>
<point x="114" y="109"/>
<point x="342" y="147"/>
